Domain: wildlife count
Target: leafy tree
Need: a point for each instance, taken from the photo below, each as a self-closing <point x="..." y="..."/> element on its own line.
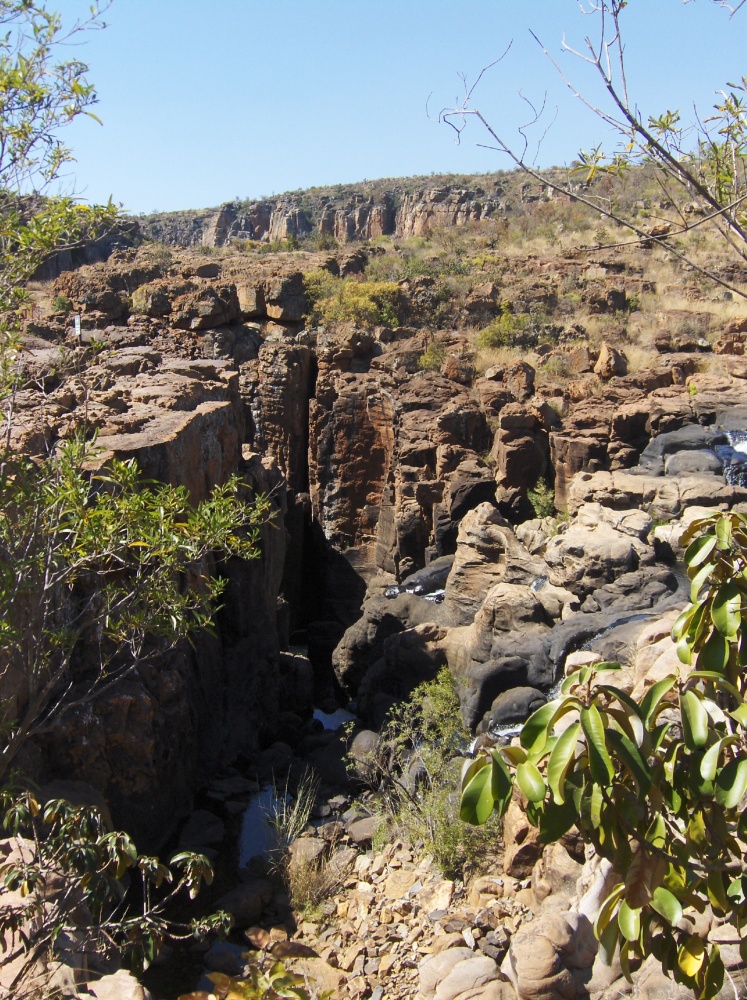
<point x="66" y="885"/>
<point x="40" y="93"/>
<point x="658" y="787"/>
<point x="698" y="164"/>
<point x="99" y="573"/>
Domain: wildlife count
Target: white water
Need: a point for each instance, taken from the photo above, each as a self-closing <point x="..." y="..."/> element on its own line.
<point x="734" y="457"/>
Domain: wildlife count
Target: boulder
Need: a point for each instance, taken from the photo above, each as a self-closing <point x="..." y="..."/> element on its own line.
<point x="246" y="902"/>
<point x="512" y="707"/>
<point x="121" y="985"/>
<point x="488" y="552"/>
<point x="591" y="551"/>
<point x="551" y="958"/>
<point x="610" y="362"/>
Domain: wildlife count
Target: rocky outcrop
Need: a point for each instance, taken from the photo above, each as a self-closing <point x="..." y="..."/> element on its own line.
<point x="345" y="216"/>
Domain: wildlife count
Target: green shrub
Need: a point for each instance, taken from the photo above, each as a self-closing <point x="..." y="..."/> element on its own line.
<point x="62" y="304"/>
<point x="556" y="366"/>
<point x="432" y="357"/>
<point x="507" y="330"/>
<point x="655" y="785"/>
<point x="542" y="499"/>
<point x="364" y="303"/>
<point x="426" y="735"/>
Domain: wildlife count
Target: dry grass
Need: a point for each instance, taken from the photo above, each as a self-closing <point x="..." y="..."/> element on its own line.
<point x="640" y="357"/>
<point x="491" y="357"/>
<point x="310" y="883"/>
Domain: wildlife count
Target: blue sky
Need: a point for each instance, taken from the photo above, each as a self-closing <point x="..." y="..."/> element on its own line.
<point x="206" y="100"/>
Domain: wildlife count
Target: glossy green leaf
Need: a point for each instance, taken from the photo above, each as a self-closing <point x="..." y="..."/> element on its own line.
<point x="667" y="905"/>
<point x="719" y="681"/>
<point x="717" y="892"/>
<point x="596" y="802"/>
<point x="516" y="755"/>
<point x="724" y="532"/>
<point x="629" y="755"/>
<point x="608" y="942"/>
<point x="714" y="977"/>
<point x="556" y="820"/>
<point x="535" y="731"/>
<point x="608" y="908"/>
<point x="560" y="761"/>
<point x="657" y="831"/>
<point x="531" y="782"/>
<point x="699" y="550"/>
<point x="629" y="920"/>
<point x="694" y="720"/>
<point x="471" y="766"/>
<point x="652" y="698"/>
<point x="709" y="763"/>
<point x="501" y="784"/>
<point x="740" y="715"/>
<point x="695" y="831"/>
<point x="600" y="764"/>
<point x="477" y="797"/>
<point x="726" y="609"/>
<point x="731" y="783"/>
<point x="699" y="579"/>
<point x="714" y="654"/>
<point x="691" y="956"/>
<point x="635" y="727"/>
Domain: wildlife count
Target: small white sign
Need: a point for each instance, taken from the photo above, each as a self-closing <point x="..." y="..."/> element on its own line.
<point x="77" y="325"/>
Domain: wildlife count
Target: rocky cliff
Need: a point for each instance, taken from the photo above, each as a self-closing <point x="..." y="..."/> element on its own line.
<point x="364" y="211"/>
<point x="380" y="467"/>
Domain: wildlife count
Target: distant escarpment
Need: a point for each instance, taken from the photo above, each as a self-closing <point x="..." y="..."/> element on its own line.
<point x="364" y="211"/>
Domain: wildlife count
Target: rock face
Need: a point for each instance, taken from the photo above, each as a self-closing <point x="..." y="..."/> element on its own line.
<point x="388" y="211"/>
<point x="202" y="366"/>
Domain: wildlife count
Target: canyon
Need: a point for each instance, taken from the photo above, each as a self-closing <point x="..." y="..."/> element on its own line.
<point x="406" y="476"/>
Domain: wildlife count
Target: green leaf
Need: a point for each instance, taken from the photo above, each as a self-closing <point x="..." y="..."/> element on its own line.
<point x="477" y="797"/>
<point x="608" y="942"/>
<point x="652" y="698"/>
<point x="709" y="763"/>
<point x="556" y="820"/>
<point x="629" y="921"/>
<point x="724" y="532"/>
<point x="694" y="720"/>
<point x="630" y="756"/>
<point x="691" y="956"/>
<point x="667" y="905"/>
<point x="561" y="758"/>
<point x="717" y="892"/>
<point x="699" y="550"/>
<point x="608" y="907"/>
<point x="714" y="655"/>
<point x="501" y="784"/>
<point x="726" y="609"/>
<point x="719" y="680"/>
<point x="600" y="764"/>
<point x="731" y="783"/>
<point x="699" y="580"/>
<point x="535" y="731"/>
<point x="531" y="782"/>
<point x="714" y="977"/>
<point x="632" y="710"/>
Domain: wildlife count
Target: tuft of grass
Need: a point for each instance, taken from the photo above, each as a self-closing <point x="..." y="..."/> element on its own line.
<point x="308" y="883"/>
